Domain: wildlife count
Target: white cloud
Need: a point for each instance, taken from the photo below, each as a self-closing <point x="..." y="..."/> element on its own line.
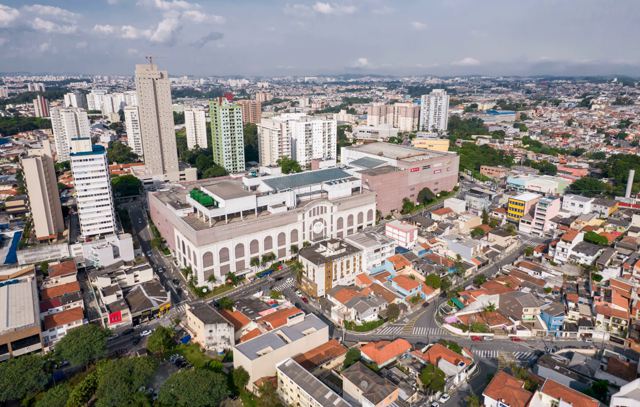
<point x="130" y="32"/>
<point x="468" y="61"/>
<point x="46" y="47"/>
<point x="47" y="26"/>
<point x="51" y="11"/>
<point x="7" y="15"/>
<point x="104" y="29"/>
<point x="165" y="31"/>
<point x="198" y="16"/>
<point x="82" y="45"/>
<point x="362" y="62"/>
<point x="319" y="7"/>
<point x="3" y="41"/>
<point x="384" y="10"/>
<point x="332" y="8"/>
<point x="418" y="26"/>
<point x="133" y="51"/>
<point x="174" y="5"/>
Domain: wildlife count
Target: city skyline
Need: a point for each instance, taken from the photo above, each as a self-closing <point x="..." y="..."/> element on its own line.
<point x="452" y="37"/>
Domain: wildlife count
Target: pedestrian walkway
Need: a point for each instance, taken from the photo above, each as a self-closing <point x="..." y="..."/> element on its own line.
<point x="180" y="308"/>
<point x="390" y="330"/>
<point x="493" y="354"/>
<point x="283" y="285"/>
<point x="429" y="331"/>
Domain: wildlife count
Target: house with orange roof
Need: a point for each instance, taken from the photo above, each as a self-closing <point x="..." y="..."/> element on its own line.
<point x="57" y="325"/>
<point x="242" y="324"/>
<point x="363" y="280"/>
<point x="442" y="214"/>
<point x="505" y="390"/>
<point x="326" y="356"/>
<point x="383" y="353"/>
<point x="61" y="273"/>
<point x="553" y="393"/>
<point x="406" y="286"/>
<point x="59" y="290"/>
<point x="279" y="318"/>
<point x="610" y="320"/>
<point x="455" y="366"/>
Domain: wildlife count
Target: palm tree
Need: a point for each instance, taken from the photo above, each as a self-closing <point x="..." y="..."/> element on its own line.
<point x="491" y="307"/>
<point x="298" y="270"/>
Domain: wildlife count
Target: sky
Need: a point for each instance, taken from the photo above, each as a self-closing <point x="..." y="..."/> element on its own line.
<point x="300" y="37"/>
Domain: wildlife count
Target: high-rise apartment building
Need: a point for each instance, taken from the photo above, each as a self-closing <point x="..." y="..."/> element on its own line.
<point x="298" y="136"/>
<point x="68" y="123"/>
<point x="262" y="97"/>
<point x="195" y="123"/>
<point x="4" y="92"/>
<point x="156" y="122"/>
<point x="251" y="111"/>
<point x="227" y="135"/>
<point x="405" y="116"/>
<point x="90" y="170"/>
<point x="132" y="126"/>
<point x="40" y="107"/>
<point x="130" y="98"/>
<point x="378" y="114"/>
<point x="35" y="87"/>
<point x="42" y="189"/>
<point x="75" y="99"/>
<point x="94" y="99"/>
<point x="434" y="111"/>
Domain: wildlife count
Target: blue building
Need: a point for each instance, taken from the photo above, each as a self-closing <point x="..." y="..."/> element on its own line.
<point x="553" y="316"/>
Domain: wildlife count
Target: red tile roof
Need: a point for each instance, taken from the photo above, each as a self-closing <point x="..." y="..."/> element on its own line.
<point x="570" y="396"/>
<point x="570" y="235"/>
<point x="63" y="318"/>
<point x="280" y="317"/>
<point x="506" y="388"/>
<point x="442" y="211"/>
<point x="399" y="262"/>
<point x="237" y="318"/>
<point x="250" y="335"/>
<point x="439" y="351"/>
<point x="57" y="291"/>
<point x="406" y="283"/>
<point x="321" y="354"/>
<point x="608" y="311"/>
<point x="363" y="280"/>
<point x="384" y="351"/>
<point x="65" y="268"/>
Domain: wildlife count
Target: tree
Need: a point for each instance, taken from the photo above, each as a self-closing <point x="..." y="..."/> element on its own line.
<point x="528" y="251"/>
<point x="593" y="237"/>
<point x="598" y="155"/>
<point x="22" y="376"/>
<point x="126" y="185"/>
<point x="250" y="132"/>
<point x="56" y="396"/>
<point x="44" y="267"/>
<point x="83" y="345"/>
<point x="588" y="186"/>
<point x="425" y="196"/>
<point x="214" y="171"/>
<point x="479" y="280"/>
<point x="393" y="312"/>
<point x="268" y="395"/>
<point x="178" y="117"/>
<point x="120" y="379"/>
<point x="464" y="128"/>
<point x="433" y="280"/>
<point x="275" y="295"/>
<point x="477" y="232"/>
<point x="13" y="125"/>
<point x="83" y="391"/>
<point x="353" y="355"/>
<point x="445" y="284"/>
<point x="240" y="378"/>
<point x="485" y="217"/>
<point x="194" y="387"/>
<point x="161" y="341"/>
<point x="288" y="165"/>
<point x="226" y="303"/>
<point x="491" y="307"/>
<point x="298" y="270"/>
<point x="407" y="206"/>
<point x="432" y="378"/>
<point x="599" y="390"/>
<point x="472" y="400"/>
<point x="120" y="153"/>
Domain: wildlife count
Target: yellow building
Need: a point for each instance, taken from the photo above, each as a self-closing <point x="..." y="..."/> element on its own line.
<point x="436" y="144"/>
<point x="520" y="205"/>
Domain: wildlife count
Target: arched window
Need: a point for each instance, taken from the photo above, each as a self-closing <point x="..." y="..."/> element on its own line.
<point x="360" y="218"/>
<point x="349" y="220"/>
<point x="282" y="239"/>
<point x="340" y="223"/>
<point x="254" y="247"/>
<point x="294" y="236"/>
<point x="268" y="243"/>
<point x="207" y="260"/>
<point x="370" y="215"/>
<point x="239" y="251"/>
<point x="224" y="255"/>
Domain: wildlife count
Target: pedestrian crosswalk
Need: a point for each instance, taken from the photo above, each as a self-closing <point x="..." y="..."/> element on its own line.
<point x="428" y="331"/>
<point x="283" y="285"/>
<point x="493" y="354"/>
<point x="179" y="308"/>
<point x="401" y="330"/>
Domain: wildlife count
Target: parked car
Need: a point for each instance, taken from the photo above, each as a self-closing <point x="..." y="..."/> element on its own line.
<point x="146" y="332"/>
<point x="127" y="331"/>
<point x="444" y="398"/>
<point x="477" y="338"/>
<point x="305" y="300"/>
<point x="435" y="404"/>
<point x="516" y="339"/>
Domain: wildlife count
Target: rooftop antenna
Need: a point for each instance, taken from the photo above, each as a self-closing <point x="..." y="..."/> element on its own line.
<point x="149" y="59"/>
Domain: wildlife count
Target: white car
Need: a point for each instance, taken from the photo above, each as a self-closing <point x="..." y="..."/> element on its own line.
<point x="146" y="332"/>
<point x="444" y="398"/>
<point x="435" y="404"/>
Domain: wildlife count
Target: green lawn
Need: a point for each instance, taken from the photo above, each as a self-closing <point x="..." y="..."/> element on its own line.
<point x="193" y="354"/>
<point x="367" y="326"/>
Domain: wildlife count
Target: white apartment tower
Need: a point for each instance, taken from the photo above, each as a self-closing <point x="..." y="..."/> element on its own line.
<point x="195" y="122"/>
<point x="434" y="111"/>
<point x="42" y="188"/>
<point x="132" y="125"/>
<point x="40" y="107"/>
<point x="90" y="170"/>
<point x="297" y="136"/>
<point x="75" y="99"/>
<point x="68" y="123"/>
<point x="156" y="122"/>
<point x="227" y="135"/>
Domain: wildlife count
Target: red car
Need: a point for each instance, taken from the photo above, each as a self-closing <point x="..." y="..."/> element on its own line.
<point x="305" y="300"/>
<point x="477" y="338"/>
<point x="516" y="339"/>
